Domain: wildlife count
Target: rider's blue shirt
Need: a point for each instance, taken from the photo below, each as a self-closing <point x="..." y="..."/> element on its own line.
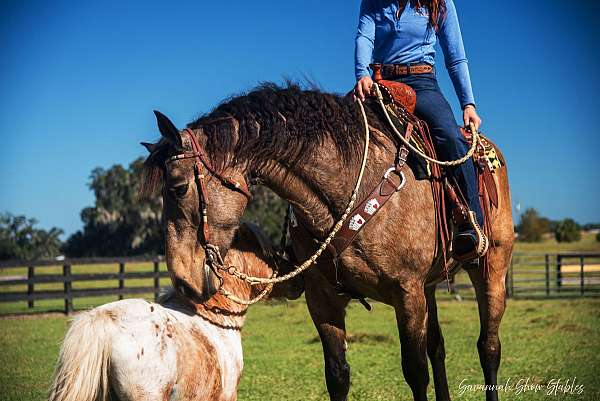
<point x="384" y="38"/>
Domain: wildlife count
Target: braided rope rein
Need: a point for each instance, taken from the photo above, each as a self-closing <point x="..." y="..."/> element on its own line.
<point x="218" y="261"/>
<point x="251" y="301"/>
<point x="467" y="156"/>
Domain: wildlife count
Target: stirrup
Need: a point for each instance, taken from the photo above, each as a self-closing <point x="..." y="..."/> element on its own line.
<point x="482" y="241"/>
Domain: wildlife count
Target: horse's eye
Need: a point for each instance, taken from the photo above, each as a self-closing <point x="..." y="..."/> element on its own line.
<point x="179" y="191"/>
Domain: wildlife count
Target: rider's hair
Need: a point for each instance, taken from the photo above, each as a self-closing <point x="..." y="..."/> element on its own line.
<point x="436" y="8"/>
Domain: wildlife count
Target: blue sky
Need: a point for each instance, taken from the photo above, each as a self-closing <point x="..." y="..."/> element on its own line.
<point x="79" y="81"/>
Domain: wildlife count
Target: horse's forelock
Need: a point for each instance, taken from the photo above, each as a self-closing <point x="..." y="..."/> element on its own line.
<point x="152" y="173"/>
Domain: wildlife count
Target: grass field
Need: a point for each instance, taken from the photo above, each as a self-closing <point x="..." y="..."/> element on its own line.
<point x="541" y="340"/>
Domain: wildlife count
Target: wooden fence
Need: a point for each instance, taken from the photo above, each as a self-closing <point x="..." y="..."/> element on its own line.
<point x="531" y="275"/>
<point x="554" y="275"/>
<point x="67" y="278"/>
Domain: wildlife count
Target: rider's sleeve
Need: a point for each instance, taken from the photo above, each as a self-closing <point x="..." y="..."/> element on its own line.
<point x="365" y="39"/>
<point x="454" y="55"/>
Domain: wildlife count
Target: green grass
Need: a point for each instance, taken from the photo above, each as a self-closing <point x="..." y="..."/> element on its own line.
<point x="542" y="340"/>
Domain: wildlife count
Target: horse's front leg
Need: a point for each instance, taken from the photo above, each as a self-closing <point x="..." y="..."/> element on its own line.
<point x="411" y="316"/>
<point x="327" y="310"/>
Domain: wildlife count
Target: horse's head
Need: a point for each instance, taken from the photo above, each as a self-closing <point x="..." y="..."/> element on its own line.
<point x="202" y="207"/>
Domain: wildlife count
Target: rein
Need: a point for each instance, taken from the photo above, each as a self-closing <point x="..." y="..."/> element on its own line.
<point x="213" y="254"/>
<point x="467" y="156"/>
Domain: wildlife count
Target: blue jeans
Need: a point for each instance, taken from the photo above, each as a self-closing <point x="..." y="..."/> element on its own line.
<point x="448" y="140"/>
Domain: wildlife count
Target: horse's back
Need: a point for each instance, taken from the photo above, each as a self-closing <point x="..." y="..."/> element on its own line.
<point x="160" y="352"/>
<point x="143" y="359"/>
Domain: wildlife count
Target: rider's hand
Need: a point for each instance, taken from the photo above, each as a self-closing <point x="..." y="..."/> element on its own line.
<point x="470" y="116"/>
<point x="363" y="87"/>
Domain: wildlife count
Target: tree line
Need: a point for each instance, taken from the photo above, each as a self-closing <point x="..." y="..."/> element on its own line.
<point x="120" y="223"/>
<point x="123" y="223"/>
<point x="533" y="227"/>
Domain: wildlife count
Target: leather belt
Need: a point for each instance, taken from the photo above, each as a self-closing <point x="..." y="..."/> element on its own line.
<point x="394" y="70"/>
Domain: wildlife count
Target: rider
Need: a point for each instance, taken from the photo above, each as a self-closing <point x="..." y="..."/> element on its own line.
<point x="401" y="34"/>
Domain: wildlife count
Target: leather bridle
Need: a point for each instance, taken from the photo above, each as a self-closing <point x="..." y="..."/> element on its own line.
<point x="202" y="169"/>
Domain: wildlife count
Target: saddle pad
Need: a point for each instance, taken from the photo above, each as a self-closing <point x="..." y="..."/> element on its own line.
<point x="486" y="150"/>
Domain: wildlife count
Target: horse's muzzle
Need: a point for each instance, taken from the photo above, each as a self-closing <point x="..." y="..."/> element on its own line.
<point x="209" y="287"/>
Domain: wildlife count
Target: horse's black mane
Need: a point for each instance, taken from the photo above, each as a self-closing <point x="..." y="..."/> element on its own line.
<point x="280" y="123"/>
<point x="283" y="123"/>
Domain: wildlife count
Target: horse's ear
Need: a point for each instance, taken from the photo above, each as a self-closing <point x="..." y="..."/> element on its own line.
<point x="150" y="147"/>
<point x="167" y="129"/>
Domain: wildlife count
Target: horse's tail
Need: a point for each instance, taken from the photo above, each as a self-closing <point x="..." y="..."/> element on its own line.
<point x="82" y="370"/>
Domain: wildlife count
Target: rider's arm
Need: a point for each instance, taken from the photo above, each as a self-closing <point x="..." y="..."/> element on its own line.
<point x="365" y="39"/>
<point x="453" y="48"/>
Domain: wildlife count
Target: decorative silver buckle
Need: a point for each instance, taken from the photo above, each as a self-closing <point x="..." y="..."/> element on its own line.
<point x="400" y="174"/>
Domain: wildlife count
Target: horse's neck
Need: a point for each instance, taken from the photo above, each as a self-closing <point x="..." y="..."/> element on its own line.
<point x="320" y="187"/>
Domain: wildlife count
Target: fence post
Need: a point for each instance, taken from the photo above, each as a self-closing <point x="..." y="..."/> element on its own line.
<point x="67" y="289"/>
<point x="30" y="290"/>
<point x="547" y="260"/>
<point x="582" y="264"/>
<point x="121" y="279"/>
<point x="558" y="272"/>
<point x="156" y="280"/>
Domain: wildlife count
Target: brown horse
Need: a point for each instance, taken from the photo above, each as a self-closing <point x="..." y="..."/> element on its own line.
<point x="306" y="146"/>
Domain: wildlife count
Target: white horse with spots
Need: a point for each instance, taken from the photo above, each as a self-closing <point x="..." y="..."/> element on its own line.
<point x="134" y="350"/>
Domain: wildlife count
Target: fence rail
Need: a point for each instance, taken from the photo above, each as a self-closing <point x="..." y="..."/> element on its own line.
<point x="530" y="275"/>
<point x="554" y="275"/>
<point x="68" y="277"/>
